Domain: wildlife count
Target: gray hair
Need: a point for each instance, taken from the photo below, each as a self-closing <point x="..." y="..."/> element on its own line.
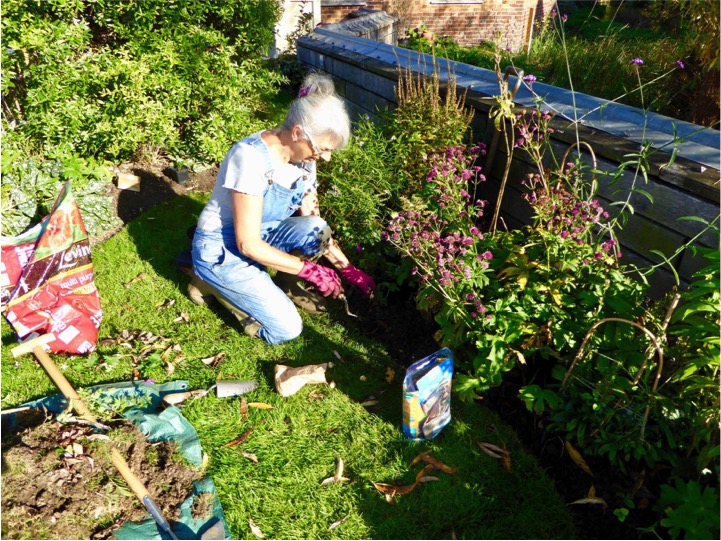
<point x="319" y="111"/>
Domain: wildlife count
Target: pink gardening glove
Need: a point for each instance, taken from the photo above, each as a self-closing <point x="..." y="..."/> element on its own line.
<point x="359" y="279"/>
<point x="325" y="279"/>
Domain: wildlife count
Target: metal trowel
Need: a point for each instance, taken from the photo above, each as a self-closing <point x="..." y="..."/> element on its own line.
<point x="222" y="389"/>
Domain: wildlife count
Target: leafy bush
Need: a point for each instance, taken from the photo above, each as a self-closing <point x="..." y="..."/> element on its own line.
<point x="371" y="178"/>
<point x="690" y="509"/>
<point x="499" y="298"/>
<point x="358" y="186"/>
<point x="112" y="79"/>
<point x="423" y="122"/>
<point x="30" y="187"/>
<point x="100" y="80"/>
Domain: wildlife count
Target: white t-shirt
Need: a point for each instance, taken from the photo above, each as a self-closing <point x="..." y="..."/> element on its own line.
<point x="245" y="170"/>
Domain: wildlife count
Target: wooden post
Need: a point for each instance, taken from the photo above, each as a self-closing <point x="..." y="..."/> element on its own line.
<point x="529" y="29"/>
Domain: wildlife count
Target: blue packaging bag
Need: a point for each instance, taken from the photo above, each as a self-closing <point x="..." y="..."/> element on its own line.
<point x="427" y="395"/>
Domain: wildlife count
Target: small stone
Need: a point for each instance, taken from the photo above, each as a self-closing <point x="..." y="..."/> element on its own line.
<point x="363" y="378"/>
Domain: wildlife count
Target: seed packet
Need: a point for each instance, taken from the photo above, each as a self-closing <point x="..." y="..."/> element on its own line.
<point x="427" y="396"/>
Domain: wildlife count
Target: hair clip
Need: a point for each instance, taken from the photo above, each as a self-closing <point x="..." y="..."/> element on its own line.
<point x="304" y="91"/>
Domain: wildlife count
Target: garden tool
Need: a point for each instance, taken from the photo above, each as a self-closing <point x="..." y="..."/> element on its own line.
<point x="289" y="381"/>
<point x="222" y="389"/>
<point x="35" y="346"/>
<point x="141" y="492"/>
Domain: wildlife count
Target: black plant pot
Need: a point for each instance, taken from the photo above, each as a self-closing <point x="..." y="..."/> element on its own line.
<point x="179" y="175"/>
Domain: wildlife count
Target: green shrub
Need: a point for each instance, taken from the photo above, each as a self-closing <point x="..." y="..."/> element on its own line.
<point x="114" y="79"/>
<point x="423" y="122"/>
<point x="690" y="509"/>
<point x="30" y="186"/>
<point x="357" y="188"/>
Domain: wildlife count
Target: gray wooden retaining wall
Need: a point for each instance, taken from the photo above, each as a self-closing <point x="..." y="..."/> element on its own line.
<point x="366" y="73"/>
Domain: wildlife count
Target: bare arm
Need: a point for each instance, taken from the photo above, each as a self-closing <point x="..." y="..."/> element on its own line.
<point x="247" y="218"/>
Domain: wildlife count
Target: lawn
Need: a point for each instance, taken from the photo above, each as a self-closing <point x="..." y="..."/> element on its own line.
<point x="297" y="443"/>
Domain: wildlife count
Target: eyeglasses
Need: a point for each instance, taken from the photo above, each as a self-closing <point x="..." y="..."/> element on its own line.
<point x="317" y="151"/>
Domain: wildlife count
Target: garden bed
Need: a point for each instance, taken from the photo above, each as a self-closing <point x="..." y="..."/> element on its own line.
<point x="58" y="481"/>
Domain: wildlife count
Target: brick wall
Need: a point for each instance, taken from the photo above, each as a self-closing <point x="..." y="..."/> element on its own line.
<point x="468" y="23"/>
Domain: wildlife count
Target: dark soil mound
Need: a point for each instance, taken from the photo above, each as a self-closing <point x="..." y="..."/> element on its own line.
<point x="58" y="480"/>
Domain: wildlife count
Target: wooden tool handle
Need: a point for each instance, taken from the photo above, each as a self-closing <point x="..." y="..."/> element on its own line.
<point x="63" y="384"/>
<point x="135" y="484"/>
<point x="36" y="346"/>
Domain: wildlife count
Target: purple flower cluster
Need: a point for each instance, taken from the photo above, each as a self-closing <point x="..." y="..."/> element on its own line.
<point x="446" y="258"/>
<point x="451" y="175"/>
<point x="637" y="61"/>
<point x="443" y="238"/>
<point x="564" y="215"/>
<point x="532" y="127"/>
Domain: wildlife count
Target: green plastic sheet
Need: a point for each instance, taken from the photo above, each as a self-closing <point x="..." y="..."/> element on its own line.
<point x="166" y="425"/>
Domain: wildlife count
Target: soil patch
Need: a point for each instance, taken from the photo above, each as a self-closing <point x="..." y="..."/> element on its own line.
<point x="156" y="186"/>
<point x="58" y="480"/>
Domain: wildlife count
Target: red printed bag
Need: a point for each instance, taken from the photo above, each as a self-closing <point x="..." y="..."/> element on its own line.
<point x="47" y="283"/>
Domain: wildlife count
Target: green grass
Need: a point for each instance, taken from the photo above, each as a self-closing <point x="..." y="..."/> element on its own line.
<point x="300" y="440"/>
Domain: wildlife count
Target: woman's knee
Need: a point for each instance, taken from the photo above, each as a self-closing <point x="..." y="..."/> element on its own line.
<point x="284" y="331"/>
<point x="318" y="233"/>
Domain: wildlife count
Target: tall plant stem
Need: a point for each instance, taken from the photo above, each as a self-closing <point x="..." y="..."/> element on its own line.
<point x="506" y="171"/>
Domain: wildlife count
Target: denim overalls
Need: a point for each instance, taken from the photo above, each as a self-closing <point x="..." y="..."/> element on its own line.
<point x="243" y="281"/>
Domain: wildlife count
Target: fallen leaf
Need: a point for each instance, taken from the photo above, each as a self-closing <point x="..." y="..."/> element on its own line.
<point x="492" y="450"/>
<point x="337" y="355"/>
<point x="240" y="439"/>
<point x="423" y="472"/>
<point x="214" y="360"/>
<point x="428" y="459"/>
<point x="390" y="374"/>
<point x="256" y="531"/>
<point x="338" y="523"/>
<point x="338" y="476"/>
<point x="182" y="317"/>
<point x="315" y="395"/>
<point x="591" y="492"/>
<point x="427" y="478"/>
<point x="166" y="303"/>
<point x="260" y="405"/>
<point x="392" y="490"/>
<point x="206" y="459"/>
<point x="369" y="403"/>
<point x="600" y="501"/>
<point x="639" y="483"/>
<point x="506" y="461"/>
<point x="577" y="458"/>
<point x="519" y="356"/>
<point x="243" y="408"/>
<point x="139" y="277"/>
<point x="250" y="456"/>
